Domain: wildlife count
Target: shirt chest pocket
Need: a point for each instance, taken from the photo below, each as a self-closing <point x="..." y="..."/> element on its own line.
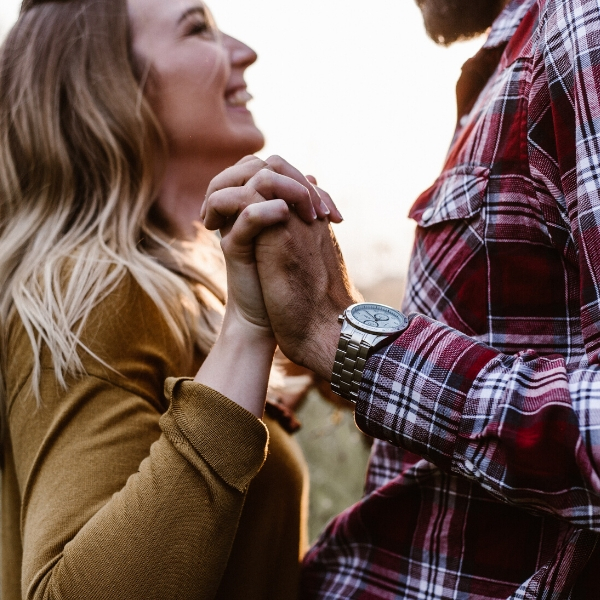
<point x="448" y="273"/>
<point x="458" y="194"/>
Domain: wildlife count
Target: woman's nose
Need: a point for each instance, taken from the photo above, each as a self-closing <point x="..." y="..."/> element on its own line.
<point x="240" y="54"/>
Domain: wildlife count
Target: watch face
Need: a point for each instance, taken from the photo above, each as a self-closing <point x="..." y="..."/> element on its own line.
<point x="376" y="318"/>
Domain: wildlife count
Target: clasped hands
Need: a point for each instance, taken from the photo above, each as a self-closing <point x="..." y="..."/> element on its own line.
<point x="285" y="273"/>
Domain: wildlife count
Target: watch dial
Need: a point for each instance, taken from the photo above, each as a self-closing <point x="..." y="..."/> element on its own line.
<point x="376" y="316"/>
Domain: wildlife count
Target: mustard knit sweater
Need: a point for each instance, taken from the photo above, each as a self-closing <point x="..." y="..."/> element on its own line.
<point x="113" y="490"/>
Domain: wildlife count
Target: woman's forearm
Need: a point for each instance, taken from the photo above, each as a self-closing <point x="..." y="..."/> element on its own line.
<point x="239" y="364"/>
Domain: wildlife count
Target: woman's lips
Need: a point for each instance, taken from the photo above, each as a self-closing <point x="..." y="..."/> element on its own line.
<point x="238" y="98"/>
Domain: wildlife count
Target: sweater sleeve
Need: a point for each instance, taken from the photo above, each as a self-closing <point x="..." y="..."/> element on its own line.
<point x="110" y="511"/>
<point x="120" y="499"/>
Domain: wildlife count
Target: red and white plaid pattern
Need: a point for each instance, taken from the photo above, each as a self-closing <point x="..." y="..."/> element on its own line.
<point x="490" y="487"/>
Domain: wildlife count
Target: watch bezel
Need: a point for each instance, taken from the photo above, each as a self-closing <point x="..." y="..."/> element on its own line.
<point x="376" y="330"/>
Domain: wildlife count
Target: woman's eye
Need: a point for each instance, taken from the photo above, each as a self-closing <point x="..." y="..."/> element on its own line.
<point x="199" y="28"/>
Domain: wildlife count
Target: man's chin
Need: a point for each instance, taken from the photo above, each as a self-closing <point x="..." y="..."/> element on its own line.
<point x="447" y="21"/>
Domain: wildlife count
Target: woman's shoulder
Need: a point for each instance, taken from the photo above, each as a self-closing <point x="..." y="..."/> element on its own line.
<point x="126" y="320"/>
<point x="125" y="340"/>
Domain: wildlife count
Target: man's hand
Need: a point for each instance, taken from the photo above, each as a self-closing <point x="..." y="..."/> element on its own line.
<point x="305" y="288"/>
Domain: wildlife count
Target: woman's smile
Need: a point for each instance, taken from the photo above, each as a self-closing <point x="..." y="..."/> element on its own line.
<point x="237" y="99"/>
<point x="196" y="79"/>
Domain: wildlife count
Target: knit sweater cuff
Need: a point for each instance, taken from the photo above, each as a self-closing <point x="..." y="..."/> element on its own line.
<point x="203" y="424"/>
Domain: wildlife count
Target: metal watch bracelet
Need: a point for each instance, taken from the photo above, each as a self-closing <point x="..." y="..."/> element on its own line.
<point x="349" y="364"/>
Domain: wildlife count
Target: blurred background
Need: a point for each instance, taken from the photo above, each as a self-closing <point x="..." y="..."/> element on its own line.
<point x="359" y="97"/>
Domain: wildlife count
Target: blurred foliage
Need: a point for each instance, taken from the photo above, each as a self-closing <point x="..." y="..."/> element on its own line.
<point x="336" y="453"/>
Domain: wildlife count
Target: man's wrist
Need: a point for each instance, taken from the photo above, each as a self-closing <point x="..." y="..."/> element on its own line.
<point x="323" y="355"/>
<point x="366" y="326"/>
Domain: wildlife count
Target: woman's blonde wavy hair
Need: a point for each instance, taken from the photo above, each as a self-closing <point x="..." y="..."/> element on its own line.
<point x="80" y="161"/>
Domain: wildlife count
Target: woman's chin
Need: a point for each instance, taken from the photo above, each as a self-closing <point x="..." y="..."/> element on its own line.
<point x="227" y="148"/>
<point x="252" y="140"/>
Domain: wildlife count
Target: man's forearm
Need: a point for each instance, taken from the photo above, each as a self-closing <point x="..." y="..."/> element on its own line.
<point x="522" y="426"/>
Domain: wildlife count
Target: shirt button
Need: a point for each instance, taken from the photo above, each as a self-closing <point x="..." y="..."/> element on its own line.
<point x="464" y="120"/>
<point x="427" y="214"/>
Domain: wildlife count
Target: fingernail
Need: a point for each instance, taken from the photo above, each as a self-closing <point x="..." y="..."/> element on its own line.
<point x="314" y="212"/>
<point x="324" y="208"/>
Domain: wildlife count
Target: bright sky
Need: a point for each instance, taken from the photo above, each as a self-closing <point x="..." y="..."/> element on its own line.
<point x="356" y="95"/>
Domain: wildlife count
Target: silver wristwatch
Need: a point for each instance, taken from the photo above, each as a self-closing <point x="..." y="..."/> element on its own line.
<point x="365" y="328"/>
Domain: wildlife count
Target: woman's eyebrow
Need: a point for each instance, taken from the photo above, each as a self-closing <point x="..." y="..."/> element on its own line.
<point x="190" y="11"/>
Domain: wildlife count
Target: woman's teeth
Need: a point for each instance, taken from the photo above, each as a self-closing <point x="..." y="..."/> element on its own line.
<point x="238" y="98"/>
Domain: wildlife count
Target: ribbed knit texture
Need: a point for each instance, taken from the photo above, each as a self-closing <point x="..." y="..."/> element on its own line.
<point x="113" y="491"/>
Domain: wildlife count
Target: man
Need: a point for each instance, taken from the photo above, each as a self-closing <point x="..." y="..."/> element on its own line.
<point x="485" y="476"/>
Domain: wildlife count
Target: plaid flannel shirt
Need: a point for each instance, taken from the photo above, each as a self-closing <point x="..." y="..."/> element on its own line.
<point x="484" y="481"/>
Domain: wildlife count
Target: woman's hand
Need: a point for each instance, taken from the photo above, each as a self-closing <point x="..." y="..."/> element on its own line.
<point x="249" y="168"/>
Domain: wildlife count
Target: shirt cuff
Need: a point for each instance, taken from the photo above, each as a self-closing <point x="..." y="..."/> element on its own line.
<point x="413" y="391"/>
<point x="202" y="423"/>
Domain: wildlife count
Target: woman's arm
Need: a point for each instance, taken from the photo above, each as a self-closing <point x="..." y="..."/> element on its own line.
<point x="239" y="365"/>
<point x="117" y="502"/>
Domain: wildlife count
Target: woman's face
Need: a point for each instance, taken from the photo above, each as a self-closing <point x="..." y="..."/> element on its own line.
<point x="196" y="85"/>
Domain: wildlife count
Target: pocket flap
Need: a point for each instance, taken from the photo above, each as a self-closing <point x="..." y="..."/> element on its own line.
<point x="457" y="194"/>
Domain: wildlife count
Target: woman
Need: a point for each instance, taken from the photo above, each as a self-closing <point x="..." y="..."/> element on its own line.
<point x="114" y="118"/>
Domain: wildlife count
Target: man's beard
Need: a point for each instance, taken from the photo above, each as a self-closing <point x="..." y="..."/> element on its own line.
<point x="447" y="21"/>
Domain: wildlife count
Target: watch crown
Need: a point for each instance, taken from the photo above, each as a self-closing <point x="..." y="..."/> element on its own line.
<point x="340" y="318"/>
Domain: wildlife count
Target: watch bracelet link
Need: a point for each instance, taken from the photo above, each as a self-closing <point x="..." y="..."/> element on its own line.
<point x="349" y="364"/>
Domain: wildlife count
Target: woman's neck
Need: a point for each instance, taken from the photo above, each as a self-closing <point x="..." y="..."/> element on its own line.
<point x="185" y="182"/>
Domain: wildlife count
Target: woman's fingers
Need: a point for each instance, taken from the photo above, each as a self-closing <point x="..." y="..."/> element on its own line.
<point x="324" y="205"/>
<point x="238" y="243"/>
<point x="235" y="176"/>
<point x="249" y="158"/>
<point x="280" y="165"/>
<point x="261" y="176"/>
<point x="335" y="216"/>
<point x="225" y="204"/>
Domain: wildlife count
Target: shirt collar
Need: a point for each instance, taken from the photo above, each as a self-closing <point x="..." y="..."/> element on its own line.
<point x="507" y="22"/>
